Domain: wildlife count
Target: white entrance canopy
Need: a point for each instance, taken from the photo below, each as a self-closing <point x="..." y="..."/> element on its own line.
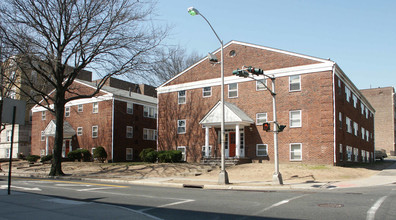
<point x="232" y="114"/>
<point x="68" y="131"/>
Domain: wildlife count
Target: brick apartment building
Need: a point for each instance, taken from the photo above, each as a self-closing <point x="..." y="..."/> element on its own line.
<point x="328" y="120"/>
<point x="121" y="121"/>
<point x="383" y="100"/>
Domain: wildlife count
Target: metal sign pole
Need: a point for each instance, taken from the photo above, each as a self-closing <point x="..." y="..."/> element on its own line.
<point x="12" y="142"/>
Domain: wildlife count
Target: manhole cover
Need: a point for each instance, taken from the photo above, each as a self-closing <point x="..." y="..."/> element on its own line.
<point x="331" y="205"/>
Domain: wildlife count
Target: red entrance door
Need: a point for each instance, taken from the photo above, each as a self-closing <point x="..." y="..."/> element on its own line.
<point x="231" y="143"/>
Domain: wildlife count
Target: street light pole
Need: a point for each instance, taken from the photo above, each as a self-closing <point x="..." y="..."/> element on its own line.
<point x="223" y="175"/>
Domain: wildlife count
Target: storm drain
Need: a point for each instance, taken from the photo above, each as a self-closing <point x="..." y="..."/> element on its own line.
<point x="193" y="186"/>
<point x="331" y="205"/>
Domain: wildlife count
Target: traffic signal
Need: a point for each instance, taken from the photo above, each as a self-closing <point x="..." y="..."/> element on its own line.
<point x="255" y="71"/>
<point x="266" y="127"/>
<point x="240" y="73"/>
<point x="281" y="128"/>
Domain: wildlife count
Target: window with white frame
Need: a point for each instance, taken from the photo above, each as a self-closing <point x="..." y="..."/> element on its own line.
<point x="207" y="91"/>
<point x="129" y="154"/>
<point x="349" y="152"/>
<point x="43" y="115"/>
<point x="260" y="84"/>
<point x="67" y="111"/>
<point x="129" y="109"/>
<point x="150" y="112"/>
<point x="204" y="150"/>
<point x="183" y="150"/>
<point x="366" y="111"/>
<point x="355" y="128"/>
<point x="261" y="118"/>
<point x="363" y="132"/>
<point x="261" y="150"/>
<point x="95" y="107"/>
<point x="7" y="153"/>
<point x="181" y="126"/>
<point x="354" y="99"/>
<point x="294" y="83"/>
<point x="149" y="134"/>
<point x="339" y="87"/>
<point x="340" y="119"/>
<point x="367" y="135"/>
<point x="362" y="107"/>
<point x="367" y="156"/>
<point x="363" y="153"/>
<point x="347" y="94"/>
<point x="42" y="136"/>
<point x="233" y="90"/>
<point x="93" y="150"/>
<point x="356" y="154"/>
<point x="95" y="131"/>
<point x="79" y="131"/>
<point x="42" y="152"/>
<point x="129" y="132"/>
<point x="80" y="108"/>
<point x="295" y="118"/>
<point x="348" y="124"/>
<point x="341" y="154"/>
<point x="295" y="152"/>
<point x="181" y="99"/>
<point x="8" y="135"/>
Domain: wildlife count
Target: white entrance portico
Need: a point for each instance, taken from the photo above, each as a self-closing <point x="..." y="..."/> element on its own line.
<point x="235" y="121"/>
<point x="68" y="133"/>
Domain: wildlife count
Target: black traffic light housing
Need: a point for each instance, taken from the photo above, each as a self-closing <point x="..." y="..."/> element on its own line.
<point x="281" y="128"/>
<point x="255" y="71"/>
<point x="240" y="73"/>
<point x="266" y="127"/>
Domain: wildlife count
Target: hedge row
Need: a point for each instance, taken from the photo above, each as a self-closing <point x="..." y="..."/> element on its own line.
<point x="79" y="154"/>
<point x="151" y="156"/>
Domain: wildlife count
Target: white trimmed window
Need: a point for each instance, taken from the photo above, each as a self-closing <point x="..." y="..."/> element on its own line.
<point x="362" y="107"/>
<point x="8" y="135"/>
<point x="129" y="109"/>
<point x="261" y="150"/>
<point x="347" y="94"/>
<point x="355" y="128"/>
<point x="181" y="126"/>
<point x="233" y="90"/>
<point x="340" y="119"/>
<point x="42" y="136"/>
<point x="366" y="111"/>
<point x="67" y="111"/>
<point x="149" y="134"/>
<point x="349" y="153"/>
<point x="259" y="84"/>
<point x="95" y="107"/>
<point x="261" y="118"/>
<point x="150" y="112"/>
<point x="129" y="132"/>
<point x="363" y="153"/>
<point x="367" y="156"/>
<point x="79" y="131"/>
<point x="181" y="99"/>
<point x="183" y="150"/>
<point x="367" y="135"/>
<point x="43" y="115"/>
<point x="363" y="132"/>
<point x="129" y="154"/>
<point x="295" y="152"/>
<point x="295" y="119"/>
<point x="348" y="124"/>
<point x="354" y="98"/>
<point x="80" y="108"/>
<point x="356" y="154"/>
<point x="341" y="155"/>
<point x="94" y="131"/>
<point x="204" y="150"/>
<point x="207" y="91"/>
<point x="294" y="83"/>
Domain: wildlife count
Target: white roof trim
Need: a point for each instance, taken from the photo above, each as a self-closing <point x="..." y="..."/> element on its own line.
<point x="68" y="131"/>
<point x="233" y="115"/>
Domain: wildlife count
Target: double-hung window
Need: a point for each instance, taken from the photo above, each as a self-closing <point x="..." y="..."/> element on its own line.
<point x="207" y="91"/>
<point x="355" y="128"/>
<point x="79" y="131"/>
<point x="363" y="132"/>
<point x="129" y="109"/>
<point x="43" y="115"/>
<point x="129" y="153"/>
<point x="356" y="154"/>
<point x="80" y="108"/>
<point x="95" y="107"/>
<point x="349" y="153"/>
<point x="295" y="83"/>
<point x="94" y="131"/>
<point x="42" y="136"/>
<point x="295" y="152"/>
<point x="181" y="99"/>
<point x="340" y="119"/>
<point x="181" y="126"/>
<point x="260" y="84"/>
<point x="261" y="118"/>
<point x="354" y="99"/>
<point x="149" y="134"/>
<point x="183" y="150"/>
<point x="341" y="154"/>
<point x="67" y="111"/>
<point x="150" y="112"/>
<point x="261" y="150"/>
<point x="295" y="118"/>
<point x="348" y="124"/>
<point x="8" y="135"/>
<point x="129" y="131"/>
<point x="347" y="94"/>
<point x="233" y="90"/>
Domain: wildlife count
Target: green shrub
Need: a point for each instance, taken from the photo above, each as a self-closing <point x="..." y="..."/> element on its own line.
<point x="74" y="155"/>
<point x="148" y="155"/>
<point x="32" y="158"/>
<point x="100" y="154"/>
<point x="171" y="156"/>
<point x="46" y="158"/>
<point x="86" y="155"/>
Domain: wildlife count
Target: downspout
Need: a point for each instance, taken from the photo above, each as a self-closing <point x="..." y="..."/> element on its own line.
<point x="334" y="117"/>
<point x="112" y="131"/>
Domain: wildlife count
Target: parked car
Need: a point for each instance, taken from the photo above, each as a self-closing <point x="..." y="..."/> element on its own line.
<point x="380" y="155"/>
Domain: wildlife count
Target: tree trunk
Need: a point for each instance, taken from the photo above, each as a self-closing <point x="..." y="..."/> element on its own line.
<point x="59" y="107"/>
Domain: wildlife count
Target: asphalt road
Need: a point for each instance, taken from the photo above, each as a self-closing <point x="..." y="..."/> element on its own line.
<point x="172" y="203"/>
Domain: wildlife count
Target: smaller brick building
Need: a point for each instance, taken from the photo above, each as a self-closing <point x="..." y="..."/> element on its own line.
<point x="383" y="100"/>
<point x="121" y="121"/>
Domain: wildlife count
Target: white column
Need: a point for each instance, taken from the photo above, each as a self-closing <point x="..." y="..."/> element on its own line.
<point x="46" y="145"/>
<point x="207" y="141"/>
<point x="237" y="141"/>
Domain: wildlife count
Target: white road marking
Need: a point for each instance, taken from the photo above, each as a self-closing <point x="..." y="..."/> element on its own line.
<point x="136" y="211"/>
<point x="91" y="189"/>
<point x="18" y="187"/>
<point x="277" y="204"/>
<point x="167" y="205"/>
<point x="63" y="184"/>
<point x="371" y="212"/>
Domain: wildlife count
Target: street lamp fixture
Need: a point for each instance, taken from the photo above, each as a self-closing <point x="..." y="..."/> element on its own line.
<point x="223" y="176"/>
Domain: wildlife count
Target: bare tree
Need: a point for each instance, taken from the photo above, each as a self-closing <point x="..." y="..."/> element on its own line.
<point x="109" y="37"/>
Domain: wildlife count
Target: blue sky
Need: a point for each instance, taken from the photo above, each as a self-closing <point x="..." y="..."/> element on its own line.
<point x="359" y="35"/>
